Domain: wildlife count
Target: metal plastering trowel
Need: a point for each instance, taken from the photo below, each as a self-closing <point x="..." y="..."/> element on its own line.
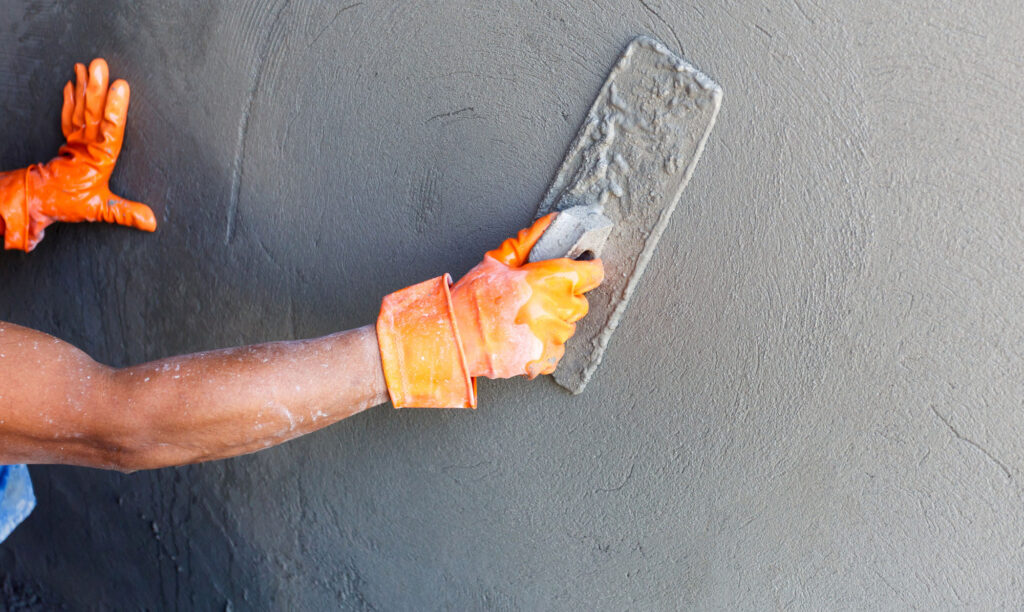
<point x="620" y="182"/>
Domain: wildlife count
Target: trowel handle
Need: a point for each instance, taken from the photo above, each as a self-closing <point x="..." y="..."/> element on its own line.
<point x="577" y="232"/>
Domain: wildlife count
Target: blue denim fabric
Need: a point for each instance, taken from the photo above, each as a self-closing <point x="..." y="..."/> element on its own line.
<point x="16" y="497"/>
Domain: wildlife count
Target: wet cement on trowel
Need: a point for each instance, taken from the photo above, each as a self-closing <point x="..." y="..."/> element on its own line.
<point x="631" y="160"/>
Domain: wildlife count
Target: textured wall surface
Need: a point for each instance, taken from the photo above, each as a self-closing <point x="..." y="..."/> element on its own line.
<point x="815" y="399"/>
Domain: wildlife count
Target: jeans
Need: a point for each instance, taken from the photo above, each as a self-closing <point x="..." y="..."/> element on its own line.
<point x="16" y="497"/>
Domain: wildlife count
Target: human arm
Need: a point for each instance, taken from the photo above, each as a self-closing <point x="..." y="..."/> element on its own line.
<point x="58" y="405"/>
<point x="504" y="318"/>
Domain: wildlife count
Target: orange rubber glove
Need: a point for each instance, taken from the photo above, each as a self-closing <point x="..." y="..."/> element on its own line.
<point x="73" y="186"/>
<point x="504" y="318"/>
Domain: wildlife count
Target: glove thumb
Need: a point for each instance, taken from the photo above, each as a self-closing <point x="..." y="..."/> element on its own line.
<point x="126" y="212"/>
<point x="514" y="251"/>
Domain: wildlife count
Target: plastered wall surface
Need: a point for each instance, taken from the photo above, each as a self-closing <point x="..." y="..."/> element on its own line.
<point x="813" y="401"/>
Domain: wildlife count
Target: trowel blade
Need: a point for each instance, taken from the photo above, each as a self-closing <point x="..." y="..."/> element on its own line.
<point x="631" y="159"/>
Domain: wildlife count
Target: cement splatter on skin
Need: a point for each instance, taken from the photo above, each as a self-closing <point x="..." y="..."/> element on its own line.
<point x="631" y="161"/>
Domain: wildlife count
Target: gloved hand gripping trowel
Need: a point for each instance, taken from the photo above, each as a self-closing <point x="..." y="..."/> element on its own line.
<point x="620" y="182"/>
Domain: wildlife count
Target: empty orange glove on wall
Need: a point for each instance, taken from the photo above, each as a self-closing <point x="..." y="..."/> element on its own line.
<point x="504" y="318"/>
<point x="74" y="185"/>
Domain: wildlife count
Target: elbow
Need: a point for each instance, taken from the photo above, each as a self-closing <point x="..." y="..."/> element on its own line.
<point x="121" y="429"/>
<point x="130" y="465"/>
<point x="125" y="467"/>
<point x="109" y="454"/>
<point x="136" y="444"/>
<point x="135" y="457"/>
<point x="127" y="460"/>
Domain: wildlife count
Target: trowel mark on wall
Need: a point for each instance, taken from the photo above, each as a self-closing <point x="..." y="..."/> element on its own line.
<point x="330" y="23"/>
<point x="255" y="80"/>
<point x="449" y="114"/>
<point x="427" y="199"/>
<point x="959" y="436"/>
<point x="657" y="15"/>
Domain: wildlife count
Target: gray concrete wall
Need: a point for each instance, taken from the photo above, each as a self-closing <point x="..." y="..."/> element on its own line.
<point x="815" y="400"/>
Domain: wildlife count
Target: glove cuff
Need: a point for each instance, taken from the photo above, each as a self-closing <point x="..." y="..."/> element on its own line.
<point x="421" y="350"/>
<point x="14" y="209"/>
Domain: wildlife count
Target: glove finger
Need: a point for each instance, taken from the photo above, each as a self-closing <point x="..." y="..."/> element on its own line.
<point x="589" y="274"/>
<point x="573" y="308"/>
<point x="548" y="361"/>
<point x="78" y="113"/>
<point x="514" y="251"/>
<point x="582" y="276"/>
<point x="95" y="98"/>
<point x="555" y="295"/>
<point x="552" y="329"/>
<point x="35" y="232"/>
<point x="126" y="212"/>
<point x="553" y="332"/>
<point x="114" y="116"/>
<point x="67" y="110"/>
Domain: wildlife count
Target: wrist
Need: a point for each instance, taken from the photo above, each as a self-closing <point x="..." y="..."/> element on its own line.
<point x="466" y="313"/>
<point x="421" y="350"/>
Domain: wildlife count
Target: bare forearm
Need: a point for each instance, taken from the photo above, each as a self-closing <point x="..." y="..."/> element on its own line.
<point x="229" y="402"/>
<point x="182" y="409"/>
